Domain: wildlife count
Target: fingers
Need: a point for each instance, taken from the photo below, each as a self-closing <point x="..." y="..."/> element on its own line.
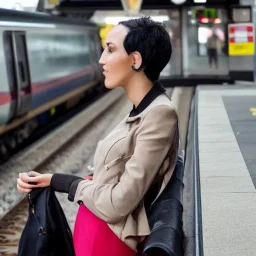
<point x="33" y="173"/>
<point x="25" y="178"/>
<point x="25" y="175"/>
<point x="25" y="185"/>
<point x="23" y="190"/>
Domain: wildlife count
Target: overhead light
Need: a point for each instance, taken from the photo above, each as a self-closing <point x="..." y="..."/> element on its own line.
<point x="217" y="20"/>
<point x="26" y="24"/>
<point x="160" y="18"/>
<point x="204" y="20"/>
<point x="132" y="7"/>
<point x="115" y="20"/>
<point x="200" y="1"/>
<point x="178" y="1"/>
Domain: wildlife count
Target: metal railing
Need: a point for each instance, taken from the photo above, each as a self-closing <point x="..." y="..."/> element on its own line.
<point x="197" y="188"/>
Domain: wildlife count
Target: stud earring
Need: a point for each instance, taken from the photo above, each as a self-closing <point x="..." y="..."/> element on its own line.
<point x="133" y="67"/>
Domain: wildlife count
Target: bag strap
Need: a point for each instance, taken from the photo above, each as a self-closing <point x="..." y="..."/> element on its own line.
<point x="41" y="229"/>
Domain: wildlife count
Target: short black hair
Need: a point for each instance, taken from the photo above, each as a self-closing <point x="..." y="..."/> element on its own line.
<point x="152" y="41"/>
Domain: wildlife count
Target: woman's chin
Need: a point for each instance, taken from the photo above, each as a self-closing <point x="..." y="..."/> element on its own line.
<point x="110" y="85"/>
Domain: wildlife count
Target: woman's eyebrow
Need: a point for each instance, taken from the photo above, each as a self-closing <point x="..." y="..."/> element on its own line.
<point x="108" y="43"/>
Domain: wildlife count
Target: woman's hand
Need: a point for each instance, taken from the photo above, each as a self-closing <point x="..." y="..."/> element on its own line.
<point x="89" y="177"/>
<point x="41" y="180"/>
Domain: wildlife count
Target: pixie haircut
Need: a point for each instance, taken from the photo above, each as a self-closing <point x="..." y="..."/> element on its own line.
<point x="152" y="41"/>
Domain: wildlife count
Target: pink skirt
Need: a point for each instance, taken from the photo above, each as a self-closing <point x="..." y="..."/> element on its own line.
<point x="93" y="237"/>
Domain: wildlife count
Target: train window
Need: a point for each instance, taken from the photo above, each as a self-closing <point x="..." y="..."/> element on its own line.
<point x="57" y="55"/>
<point x="22" y="71"/>
<point x="22" y="62"/>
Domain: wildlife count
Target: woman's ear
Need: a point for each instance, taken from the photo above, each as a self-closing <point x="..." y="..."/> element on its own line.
<point x="137" y="60"/>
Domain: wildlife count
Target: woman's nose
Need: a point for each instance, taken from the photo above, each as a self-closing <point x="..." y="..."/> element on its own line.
<point x="102" y="59"/>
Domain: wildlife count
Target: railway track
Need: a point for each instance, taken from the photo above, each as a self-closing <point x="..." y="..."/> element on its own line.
<point x="13" y="207"/>
<point x="63" y="113"/>
<point x="14" y="216"/>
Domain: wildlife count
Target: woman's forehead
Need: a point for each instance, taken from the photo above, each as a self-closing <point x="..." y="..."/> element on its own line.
<point x="117" y="34"/>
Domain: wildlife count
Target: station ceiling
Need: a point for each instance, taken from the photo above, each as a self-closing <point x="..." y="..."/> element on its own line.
<point x="86" y="5"/>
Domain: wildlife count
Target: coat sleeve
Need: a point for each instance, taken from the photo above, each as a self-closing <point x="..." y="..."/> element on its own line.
<point x="113" y="202"/>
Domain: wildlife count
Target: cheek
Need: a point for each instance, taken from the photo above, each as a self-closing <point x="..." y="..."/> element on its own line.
<point x="119" y="71"/>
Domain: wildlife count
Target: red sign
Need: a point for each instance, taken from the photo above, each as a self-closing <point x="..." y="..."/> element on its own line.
<point x="241" y="39"/>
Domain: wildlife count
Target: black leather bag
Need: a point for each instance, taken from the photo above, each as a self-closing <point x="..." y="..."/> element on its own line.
<point x="165" y="218"/>
<point x="46" y="232"/>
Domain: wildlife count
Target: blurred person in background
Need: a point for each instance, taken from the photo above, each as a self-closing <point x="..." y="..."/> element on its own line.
<point x="213" y="44"/>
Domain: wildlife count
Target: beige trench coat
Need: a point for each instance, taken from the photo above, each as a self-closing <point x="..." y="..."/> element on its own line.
<point x="126" y="162"/>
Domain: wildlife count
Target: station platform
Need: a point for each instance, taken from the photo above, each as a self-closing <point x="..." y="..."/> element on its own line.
<point x="227" y="153"/>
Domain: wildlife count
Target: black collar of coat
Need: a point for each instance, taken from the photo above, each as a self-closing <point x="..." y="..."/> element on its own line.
<point x="154" y="92"/>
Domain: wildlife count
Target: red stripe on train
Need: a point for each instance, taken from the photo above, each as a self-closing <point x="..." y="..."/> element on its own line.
<point x="41" y="86"/>
<point x="7" y="97"/>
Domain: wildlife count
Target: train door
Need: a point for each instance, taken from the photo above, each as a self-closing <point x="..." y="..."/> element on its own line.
<point x="18" y="71"/>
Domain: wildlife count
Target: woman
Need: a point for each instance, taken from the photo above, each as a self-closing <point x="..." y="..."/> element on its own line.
<point x="135" y="157"/>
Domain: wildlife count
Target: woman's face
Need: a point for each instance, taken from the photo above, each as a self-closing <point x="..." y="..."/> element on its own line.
<point x="115" y="60"/>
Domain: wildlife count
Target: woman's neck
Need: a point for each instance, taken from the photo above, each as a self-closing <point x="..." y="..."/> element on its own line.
<point x="137" y="88"/>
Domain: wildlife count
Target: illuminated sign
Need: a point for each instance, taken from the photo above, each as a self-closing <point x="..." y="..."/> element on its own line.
<point x="50" y="4"/>
<point x="206" y="15"/>
<point x="132" y="6"/>
<point x="210" y="13"/>
<point x="241" y="39"/>
<point x="55" y="2"/>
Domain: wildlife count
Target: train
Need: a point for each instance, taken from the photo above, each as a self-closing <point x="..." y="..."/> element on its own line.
<point x="45" y="61"/>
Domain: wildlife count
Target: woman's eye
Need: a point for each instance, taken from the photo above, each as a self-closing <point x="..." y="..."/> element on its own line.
<point x="110" y="50"/>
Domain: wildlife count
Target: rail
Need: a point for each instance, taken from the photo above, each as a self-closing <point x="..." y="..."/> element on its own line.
<point x="197" y="189"/>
